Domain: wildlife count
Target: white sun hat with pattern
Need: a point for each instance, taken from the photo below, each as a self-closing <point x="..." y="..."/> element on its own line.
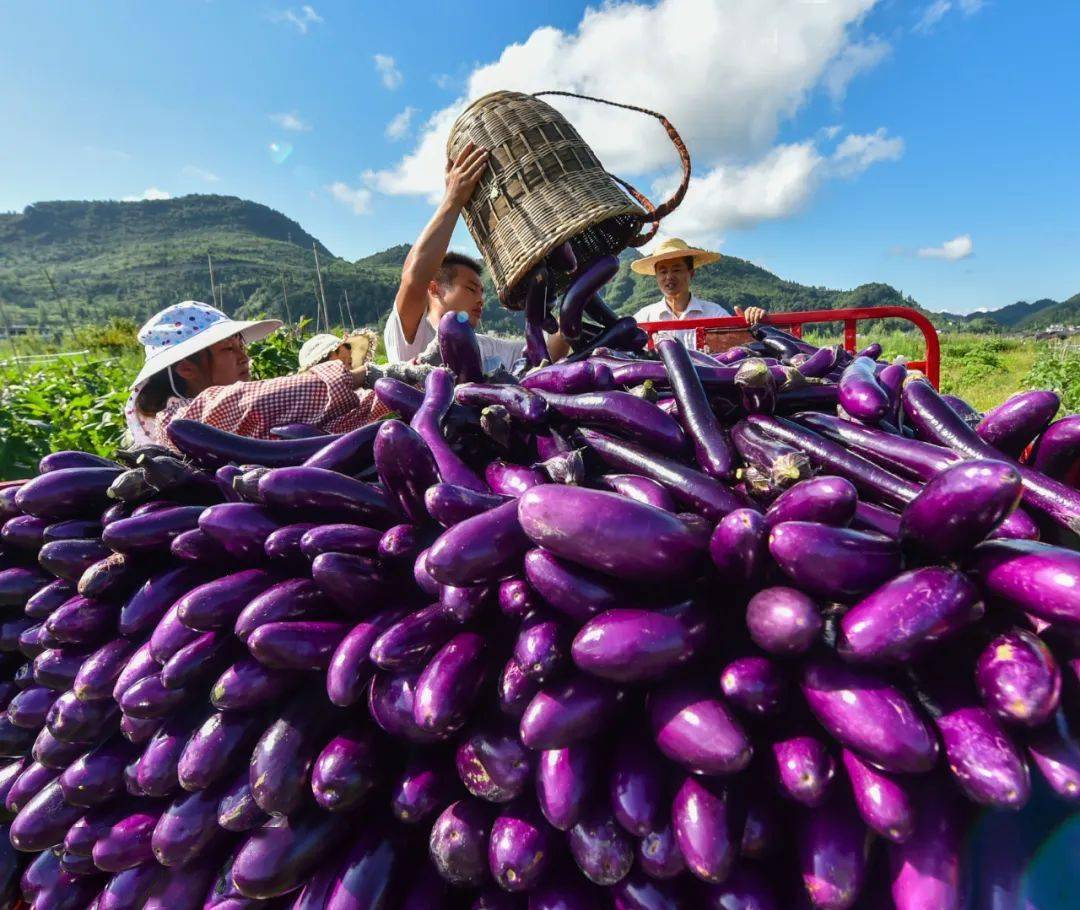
<point x="186" y="328"/>
<point x="316" y="349"/>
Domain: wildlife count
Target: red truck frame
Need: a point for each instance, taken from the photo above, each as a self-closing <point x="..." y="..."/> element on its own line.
<point x="794" y="322"/>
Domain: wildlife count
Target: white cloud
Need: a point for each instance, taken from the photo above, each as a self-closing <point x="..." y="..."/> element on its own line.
<point x="290" y="121"/>
<point x="357" y="198"/>
<point x="388" y="70"/>
<point x="443" y="81"/>
<point x="854" y="59"/>
<point x="958" y="248"/>
<point x="857" y="152"/>
<point x="831" y="132"/>
<point x="190" y="170"/>
<point x="936" y="11"/>
<point x="398" y="128"/>
<point x="151" y="192"/>
<point x="727" y="72"/>
<point x="300" y="18"/>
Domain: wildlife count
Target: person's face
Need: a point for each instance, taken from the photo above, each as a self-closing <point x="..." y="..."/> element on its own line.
<point x="673" y="276"/>
<point x="465" y="294"/>
<point x="220" y="364"/>
<point x="344" y="354"/>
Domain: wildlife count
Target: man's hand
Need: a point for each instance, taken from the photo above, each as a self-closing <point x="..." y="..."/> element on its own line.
<point x="753" y="314"/>
<point x="463" y="174"/>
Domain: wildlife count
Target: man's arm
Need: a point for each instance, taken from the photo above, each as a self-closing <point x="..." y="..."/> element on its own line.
<point x="427" y="253"/>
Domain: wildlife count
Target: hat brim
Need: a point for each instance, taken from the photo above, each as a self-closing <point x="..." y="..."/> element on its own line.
<point x="647" y="264"/>
<point x="319" y="352"/>
<point x="250" y="331"/>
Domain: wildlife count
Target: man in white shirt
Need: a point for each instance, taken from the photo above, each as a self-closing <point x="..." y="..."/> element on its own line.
<point x="434" y="282"/>
<point x="673" y="263"/>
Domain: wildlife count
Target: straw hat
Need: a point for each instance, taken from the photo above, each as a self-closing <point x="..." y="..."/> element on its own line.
<point x="186" y="328"/>
<point x="316" y="349"/>
<point x="674" y="248"/>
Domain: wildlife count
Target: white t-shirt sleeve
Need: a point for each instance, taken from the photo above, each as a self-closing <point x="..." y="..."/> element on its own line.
<point x="644" y="314"/>
<point x="495" y="352"/>
<point x="397" y="348"/>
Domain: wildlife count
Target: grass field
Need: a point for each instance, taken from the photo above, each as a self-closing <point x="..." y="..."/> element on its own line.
<point x="76" y="401"/>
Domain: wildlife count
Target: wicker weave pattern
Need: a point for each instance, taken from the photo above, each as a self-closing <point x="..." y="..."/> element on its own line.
<point x="544" y="186"/>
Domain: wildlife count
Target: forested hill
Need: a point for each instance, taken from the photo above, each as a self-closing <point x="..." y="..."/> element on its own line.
<point x="82" y="261"/>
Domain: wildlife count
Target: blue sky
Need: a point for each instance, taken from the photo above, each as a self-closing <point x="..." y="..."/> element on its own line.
<point x="928" y="144"/>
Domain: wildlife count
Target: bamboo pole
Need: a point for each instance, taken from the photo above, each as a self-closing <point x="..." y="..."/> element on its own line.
<point x="322" y="290"/>
<point x="285" y="294"/>
<point x="213" y="286"/>
<point x="348" y="307"/>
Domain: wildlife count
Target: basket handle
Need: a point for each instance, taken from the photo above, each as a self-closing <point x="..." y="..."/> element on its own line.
<point x="654" y="212"/>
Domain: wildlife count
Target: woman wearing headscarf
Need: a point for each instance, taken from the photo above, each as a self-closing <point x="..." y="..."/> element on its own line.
<point x="197" y="368"/>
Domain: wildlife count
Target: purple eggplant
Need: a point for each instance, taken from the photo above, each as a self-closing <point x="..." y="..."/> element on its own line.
<point x="196" y="546"/>
<point x="641" y="489"/>
<point x="241" y="528"/>
<point x="739" y="546"/>
<point x="411" y="641"/>
<point x="1034" y="577"/>
<point x="1018" y="678"/>
<point x="858" y="561"/>
<point x="1018" y="525"/>
<point x="826" y="500"/>
<point x="356" y="540"/>
<point x="585" y="284"/>
<point x="696" y="490"/>
<point x="348" y="453"/>
<point x="517" y="597"/>
<point x="55" y="753"/>
<point x="563" y="783"/>
<point x="151" y="532"/>
<point x="570" y="378"/>
<point x="68" y="559"/>
<point x="804" y="769"/>
<point x="1055" y="752"/>
<point x="298" y="599"/>
<point x="869" y="716"/>
<point x="350" y="666"/>
<point x="632" y="645"/>
<point x="24" y="532"/>
<point x="145" y="608"/>
<point x="390" y="703"/>
<point x="216" y="748"/>
<point x="542" y="649"/>
<point x="695" y="730"/>
<point x="869" y="517"/>
<point x="405" y="466"/>
<point x="140" y="664"/>
<point x="97" y="776"/>
<point x="458" y="348"/>
<point x="600" y="847"/>
<point x="746" y="888"/>
<point x="624" y="414"/>
<point x="126" y="843"/>
<point x="521" y="403"/>
<point x="282" y="759"/>
<point x="638" y="787"/>
<point x="335" y="496"/>
<point x="458" y="842"/>
<point x="536" y="313"/>
<point x="608" y="533"/>
<point x="1057" y="449"/>
<point x="425" y="786"/>
<point x="755" y="685"/>
<point x="82" y="621"/>
<point x="345" y="771"/>
<point x="149" y="698"/>
<point x="282" y="547"/>
<point x="1015" y="423"/>
<point x="34" y="778"/>
<point x="659" y="855"/>
<point x="169" y="636"/>
<point x="883" y="800"/>
<point x="562" y="714"/>
<point x="578" y="592"/>
<point x="450" y="504"/>
<point x="67" y="492"/>
<point x="186" y="828"/>
<point x="705" y="828"/>
<point x="506" y="479"/>
<point x="247" y="684"/>
<point x="449" y="684"/>
<point x="925" y="868"/>
<point x="43" y="822"/>
<point x="909" y="615"/>
<point x="296" y="645"/>
<point x="29" y="708"/>
<point x="861" y="395"/>
<point x="485" y="547"/>
<point x="519" y="847"/>
<point x="493" y="765"/>
<point x="155" y="770"/>
<point x="832" y="846"/>
<point x="48" y="598"/>
<point x="18" y="585"/>
<point x="516" y="690"/>
<point x="237" y="810"/>
<point x="210" y="447"/>
<point x="216" y="604"/>
<point x="438" y="396"/>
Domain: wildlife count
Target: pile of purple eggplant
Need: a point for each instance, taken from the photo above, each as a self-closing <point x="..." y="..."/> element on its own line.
<point x="640" y="631"/>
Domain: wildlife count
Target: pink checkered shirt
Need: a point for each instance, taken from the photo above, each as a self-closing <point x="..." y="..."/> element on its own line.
<point x="322" y="396"/>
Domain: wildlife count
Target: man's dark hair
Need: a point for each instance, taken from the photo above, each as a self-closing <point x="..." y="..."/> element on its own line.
<point x="445" y="276"/>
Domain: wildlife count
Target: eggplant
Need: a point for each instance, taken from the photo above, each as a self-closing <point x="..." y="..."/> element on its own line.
<point x="832" y="846"/>
<point x="48" y="598"/>
<point x="217" y="603"/>
<point x="241" y="528"/>
<point x="1037" y="578"/>
<point x="74" y="492"/>
<point x="183" y="888"/>
<point x="42" y="823"/>
<point x="186" y="828"/>
<point x="517" y="597"/>
<point x="145" y="608"/>
<point x="564" y="783"/>
<point x="712" y="448"/>
<point x="29" y="708"/>
<point x="18" y="585"/>
<point x="601" y="849"/>
<point x="412" y="640"/>
<point x="584" y="285"/>
<point x="866" y="714"/>
<point x="1054" y="750"/>
<point x="608" y="533"/>
<point x="1020" y="419"/>
<point x="804" y="769"/>
<point x="883" y="800"/>
<point x="24" y="532"/>
<point x="783" y="621"/>
<point x="624" y="414"/>
<point x="301" y="490"/>
<point x="858" y="561"/>
<point x="705" y="828"/>
<point x="350" y="667"/>
<point x="405" y="466"/>
<point x="562" y="714"/>
<point x="349" y="453"/>
<point x="1018" y="678"/>
<point x="826" y="500"/>
<point x="156" y="769"/>
<point x="282" y="547"/>
<point x="97" y="776"/>
<point x="659" y="856"/>
<point x="126" y="844"/>
<point x="696" y="490"/>
<point x="247" y="684"/>
<point x="449" y="684"/>
<point x="458" y="842"/>
<point x="695" y="730"/>
<point x="641" y="489"/>
<point x="632" y="645"/>
<point x="278" y="857"/>
<point x="637" y="787"/>
<point x="196" y="546"/>
<point x="542" y="649"/>
<point x="450" y="504"/>
<point x="510" y="479"/>
<point x="77" y="721"/>
<point x="485" y="547"/>
<point x="739" y="546"/>
<point x="861" y="395"/>
<point x="1056" y="451"/>
<point x="519" y="847"/>
<point x="237" y="810"/>
<point x="82" y="621"/>
<point x="573" y="590"/>
<point x="425" y="787"/>
<point x="521" y="403"/>
<point x="152" y="532"/>
<point x="149" y="698"/>
<point x="55" y="753"/>
<point x="909" y="615"/>
<point x="368" y="878"/>
<point x="210" y="447"/>
<point x="1018" y="525"/>
<point x="140" y="664"/>
<point x="438" y="396"/>
<point x="297" y="599"/>
<point x="925" y="869"/>
<point x="282" y="759"/>
<point x="216" y="748"/>
<point x="296" y="645"/>
<point x="345" y="771"/>
<point x="355" y="540"/>
<point x="34" y="778"/>
<point x="516" y="690"/>
<point x="68" y="559"/>
<point x="570" y="378"/>
<point x="169" y="636"/>
<point x="390" y="703"/>
<point x="116" y="575"/>
<point x="755" y="685"/>
<point x="536" y="314"/>
<point x="494" y="764"/>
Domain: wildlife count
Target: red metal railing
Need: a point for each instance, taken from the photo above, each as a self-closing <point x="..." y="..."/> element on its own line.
<point x="794" y="322"/>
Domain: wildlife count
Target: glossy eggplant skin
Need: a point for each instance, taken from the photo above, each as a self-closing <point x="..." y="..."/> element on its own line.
<point x="858" y="561"/>
<point x="832" y="851"/>
<point x="1019" y="679"/>
<point x="1035" y="577"/>
<point x="695" y="730"/>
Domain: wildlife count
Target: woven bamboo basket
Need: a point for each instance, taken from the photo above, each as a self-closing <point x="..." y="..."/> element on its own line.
<point x="544" y="186"/>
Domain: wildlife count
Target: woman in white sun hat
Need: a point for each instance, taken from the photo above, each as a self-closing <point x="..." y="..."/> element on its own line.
<point x="197" y="368"/>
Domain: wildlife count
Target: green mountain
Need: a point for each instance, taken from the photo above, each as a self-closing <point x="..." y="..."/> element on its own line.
<point x="80" y="262"/>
